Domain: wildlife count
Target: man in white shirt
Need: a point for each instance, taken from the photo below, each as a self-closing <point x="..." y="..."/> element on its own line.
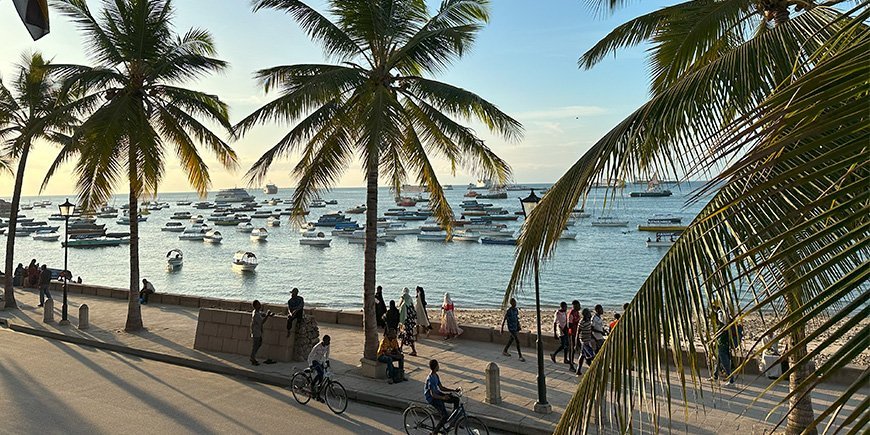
<point x="258" y="318"/>
<point x="318" y="359"/>
<point x="598" y="327"/>
<point x="560" y="331"/>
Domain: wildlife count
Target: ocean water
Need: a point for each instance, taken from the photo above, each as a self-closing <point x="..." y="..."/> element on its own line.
<point x="603" y="265"/>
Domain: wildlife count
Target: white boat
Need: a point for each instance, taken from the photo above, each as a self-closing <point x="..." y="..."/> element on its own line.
<point x="45" y="236"/>
<point x="198" y="219"/>
<point x="259" y="235"/>
<point x="315" y="238"/>
<point x="360" y="209"/>
<point x="180" y="215"/>
<point x="432" y="237"/>
<point x="261" y="214"/>
<point x="568" y="235"/>
<point x="174" y="259"/>
<point x="358" y="237"/>
<point x="609" y="221"/>
<point x="233" y="195"/>
<point x="125" y="219"/>
<point x="498" y="232"/>
<point x="192" y="233"/>
<point x="317" y="203"/>
<point x="273" y="221"/>
<point x="173" y="227"/>
<point x="401" y="230"/>
<point x="213" y="236"/>
<point x="466" y="236"/>
<point x="308" y="226"/>
<point x="245" y="227"/>
<point x="182" y="203"/>
<point x="244" y="261"/>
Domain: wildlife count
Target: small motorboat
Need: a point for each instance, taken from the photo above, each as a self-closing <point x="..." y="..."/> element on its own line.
<point x="173" y="227"/>
<point x="309" y="226"/>
<point x="198" y="219"/>
<point x="262" y="214"/>
<point x="259" y="235"/>
<point x="244" y="227"/>
<point x="273" y="221"/>
<point x="182" y="203"/>
<point x="568" y="235"/>
<point x="394" y="211"/>
<point x="180" y="215"/>
<point x="466" y="236"/>
<point x="406" y="202"/>
<point x="498" y="241"/>
<point x="242" y="218"/>
<point x="125" y="219"/>
<point x="174" y="259"/>
<point x="192" y="233"/>
<point x="331" y="202"/>
<point x="244" y="261"/>
<point x="358" y="237"/>
<point x="432" y="237"/>
<point x="471" y="194"/>
<point x="94" y="242"/>
<point x="315" y="238"/>
<point x="397" y="229"/>
<point x="213" y="236"/>
<point x="360" y="209"/>
<point x="609" y="221"/>
<point x="45" y="235"/>
<point x="317" y="203"/>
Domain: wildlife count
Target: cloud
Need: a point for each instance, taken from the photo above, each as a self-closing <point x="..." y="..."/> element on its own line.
<point x="562" y="112"/>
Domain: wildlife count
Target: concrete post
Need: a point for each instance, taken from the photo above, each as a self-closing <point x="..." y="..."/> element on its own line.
<point x="84" y="320"/>
<point x="48" y="311"/>
<point x="493" y="384"/>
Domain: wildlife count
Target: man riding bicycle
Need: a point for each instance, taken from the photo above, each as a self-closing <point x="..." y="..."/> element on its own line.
<point x="318" y="360"/>
<point x="435" y="395"/>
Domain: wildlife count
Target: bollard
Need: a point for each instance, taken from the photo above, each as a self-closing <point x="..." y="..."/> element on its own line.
<point x="48" y="311"/>
<point x="493" y="384"/>
<point x="84" y="321"/>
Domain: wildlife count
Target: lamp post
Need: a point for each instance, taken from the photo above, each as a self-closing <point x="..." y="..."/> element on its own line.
<point x="541" y="406"/>
<point x="66" y="210"/>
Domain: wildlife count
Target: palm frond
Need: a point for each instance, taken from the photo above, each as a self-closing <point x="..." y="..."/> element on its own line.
<point x="335" y="41"/>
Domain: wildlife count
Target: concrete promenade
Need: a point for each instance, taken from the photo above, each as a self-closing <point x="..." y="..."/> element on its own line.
<point x="171" y="330"/>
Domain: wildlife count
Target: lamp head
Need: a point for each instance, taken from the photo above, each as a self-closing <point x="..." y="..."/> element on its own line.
<point x="67" y="208"/>
<point x="529" y="203"/>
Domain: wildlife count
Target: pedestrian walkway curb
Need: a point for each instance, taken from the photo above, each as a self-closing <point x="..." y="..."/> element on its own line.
<point x="521" y="427"/>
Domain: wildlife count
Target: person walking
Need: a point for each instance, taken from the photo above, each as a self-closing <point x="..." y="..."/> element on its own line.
<point x="560" y="332"/>
<point x="380" y="307"/>
<point x="391" y="317"/>
<point x="44" y="281"/>
<point x="390" y="352"/>
<point x="584" y="339"/>
<point x="723" y="345"/>
<point x="147" y="290"/>
<point x="422" y="314"/>
<point x="573" y="321"/>
<point x="449" y="326"/>
<point x="408" y="319"/>
<point x="295" y="306"/>
<point x="512" y="319"/>
<point x="258" y="319"/>
<point x="598" y="332"/>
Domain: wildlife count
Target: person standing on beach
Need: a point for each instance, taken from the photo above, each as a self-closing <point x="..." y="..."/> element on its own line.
<point x="258" y="319"/>
<point x="422" y="315"/>
<point x="295" y="310"/>
<point x="380" y="307"/>
<point x="449" y="326"/>
<point x="560" y="331"/>
<point x="32" y="274"/>
<point x="723" y="360"/>
<point x="44" y="281"/>
<point x="598" y="332"/>
<point x="584" y="339"/>
<point x="573" y="321"/>
<point x="512" y="318"/>
<point x="391" y="317"/>
<point x="18" y="276"/>
<point x="408" y="319"/>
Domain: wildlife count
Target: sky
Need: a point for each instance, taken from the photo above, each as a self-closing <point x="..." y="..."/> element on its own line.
<point x="524" y="61"/>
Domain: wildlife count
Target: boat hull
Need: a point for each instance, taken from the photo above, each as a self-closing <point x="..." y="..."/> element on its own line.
<point x="660" y="194"/>
<point x="661" y="228"/>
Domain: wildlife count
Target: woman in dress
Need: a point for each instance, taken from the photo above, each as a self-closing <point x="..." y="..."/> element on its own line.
<point x="422" y="315"/>
<point x="449" y="327"/>
<point x="380" y="308"/>
<point x="408" y="319"/>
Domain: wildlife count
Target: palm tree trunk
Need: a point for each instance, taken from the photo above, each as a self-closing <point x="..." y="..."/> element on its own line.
<point x="370" y="326"/>
<point x="134" y="313"/>
<point x="801" y="416"/>
<point x="8" y="289"/>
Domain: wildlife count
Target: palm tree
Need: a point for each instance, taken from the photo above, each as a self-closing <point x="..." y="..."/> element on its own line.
<point x="378" y="105"/>
<point x="137" y="108"/>
<point x="780" y="102"/>
<point x="28" y="114"/>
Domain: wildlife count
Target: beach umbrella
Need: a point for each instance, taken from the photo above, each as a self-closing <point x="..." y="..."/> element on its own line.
<point x="34" y="14"/>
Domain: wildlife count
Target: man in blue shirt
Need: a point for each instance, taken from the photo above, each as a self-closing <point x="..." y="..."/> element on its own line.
<point x="435" y="395"/>
<point x="512" y="318"/>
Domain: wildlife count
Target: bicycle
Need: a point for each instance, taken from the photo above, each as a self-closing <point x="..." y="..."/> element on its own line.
<point x="421" y="418"/>
<point x="330" y="391"/>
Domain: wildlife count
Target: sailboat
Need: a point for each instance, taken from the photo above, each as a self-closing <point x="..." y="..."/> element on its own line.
<point x="653" y="189"/>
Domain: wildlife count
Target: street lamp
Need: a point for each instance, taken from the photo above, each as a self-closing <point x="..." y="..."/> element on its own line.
<point x="66" y="210"/>
<point x="541" y="406"/>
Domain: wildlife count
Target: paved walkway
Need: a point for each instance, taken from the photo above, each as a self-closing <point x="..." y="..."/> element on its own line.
<point x="171" y="331"/>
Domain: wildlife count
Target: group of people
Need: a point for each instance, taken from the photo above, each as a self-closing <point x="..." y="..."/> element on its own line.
<point x="34" y="276"/>
<point x="581" y="333"/>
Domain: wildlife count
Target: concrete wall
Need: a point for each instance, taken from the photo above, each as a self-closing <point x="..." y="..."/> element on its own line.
<point x="228" y="331"/>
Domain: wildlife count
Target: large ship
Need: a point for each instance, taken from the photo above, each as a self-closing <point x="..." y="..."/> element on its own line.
<point x="233" y="195"/>
<point x="270" y="189"/>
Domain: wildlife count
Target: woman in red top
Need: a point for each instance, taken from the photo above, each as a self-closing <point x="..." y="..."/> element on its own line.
<point x="573" y="321"/>
<point x="449" y="326"/>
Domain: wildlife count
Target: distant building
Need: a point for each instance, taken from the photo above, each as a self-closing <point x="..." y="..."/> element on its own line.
<point x="5" y="208"/>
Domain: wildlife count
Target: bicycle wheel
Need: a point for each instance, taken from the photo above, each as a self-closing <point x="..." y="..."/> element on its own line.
<point x="336" y="397"/>
<point x="470" y="426"/>
<point x="300" y="386"/>
<point x="418" y="421"/>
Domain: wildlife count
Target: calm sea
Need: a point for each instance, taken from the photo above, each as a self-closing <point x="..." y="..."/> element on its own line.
<point x="603" y="265"/>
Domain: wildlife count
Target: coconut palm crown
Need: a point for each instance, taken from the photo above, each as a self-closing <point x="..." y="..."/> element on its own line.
<point x="772" y="95"/>
<point x="138" y="111"/>
<point x="377" y="104"/>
